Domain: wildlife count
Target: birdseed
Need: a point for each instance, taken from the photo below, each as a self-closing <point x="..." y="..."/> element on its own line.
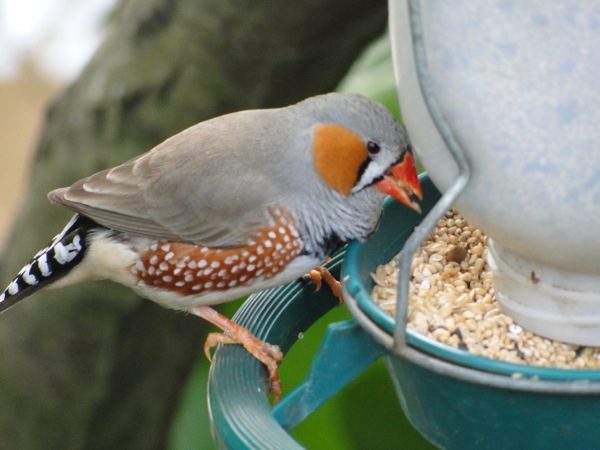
<point x="451" y="300"/>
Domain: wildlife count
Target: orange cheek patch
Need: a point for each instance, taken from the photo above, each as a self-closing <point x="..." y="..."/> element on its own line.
<point x="338" y="154"/>
<point x="191" y="269"/>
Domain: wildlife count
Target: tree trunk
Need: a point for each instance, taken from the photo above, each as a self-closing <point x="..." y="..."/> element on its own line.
<point x="94" y="366"/>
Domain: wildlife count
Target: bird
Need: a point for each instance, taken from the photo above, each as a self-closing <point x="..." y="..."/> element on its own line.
<point x="231" y="206"/>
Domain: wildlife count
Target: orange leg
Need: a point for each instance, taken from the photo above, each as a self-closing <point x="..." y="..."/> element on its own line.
<point x="320" y="274"/>
<point x="269" y="355"/>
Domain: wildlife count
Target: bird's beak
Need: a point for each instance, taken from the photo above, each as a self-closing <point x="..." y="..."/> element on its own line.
<point x="402" y="182"/>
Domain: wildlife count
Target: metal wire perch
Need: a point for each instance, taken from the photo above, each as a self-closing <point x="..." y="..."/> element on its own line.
<point x="448" y="198"/>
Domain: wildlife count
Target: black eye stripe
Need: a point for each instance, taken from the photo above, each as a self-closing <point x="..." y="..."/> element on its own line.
<point x="362" y="169"/>
<point x="373" y="147"/>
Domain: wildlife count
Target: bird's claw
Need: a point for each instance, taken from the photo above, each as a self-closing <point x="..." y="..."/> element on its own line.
<point x="269" y="355"/>
<point x="320" y="274"/>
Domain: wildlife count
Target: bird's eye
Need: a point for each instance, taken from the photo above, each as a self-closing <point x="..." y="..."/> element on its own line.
<point x="373" y="147"/>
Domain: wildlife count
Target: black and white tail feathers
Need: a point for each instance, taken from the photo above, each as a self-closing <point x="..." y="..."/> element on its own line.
<point x="51" y="263"/>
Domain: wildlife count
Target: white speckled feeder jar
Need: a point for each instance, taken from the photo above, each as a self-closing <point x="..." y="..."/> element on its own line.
<point x="519" y="85"/>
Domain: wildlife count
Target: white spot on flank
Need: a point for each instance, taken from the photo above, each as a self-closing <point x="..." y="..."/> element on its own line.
<point x="154" y="260"/>
<point x="232" y="283"/>
<point x="251" y="267"/>
<point x="222" y="273"/>
<point x="201" y="264"/>
<point x="180" y="284"/>
<point x="268" y="243"/>
<point x="196" y="287"/>
<point x="221" y="284"/>
<point x="260" y="250"/>
<point x="272" y="234"/>
<point x="252" y="258"/>
<point x="177" y="271"/>
<point x="169" y="255"/>
<point x="165" y="247"/>
<point x="163" y="266"/>
<point x="278" y="246"/>
<point x="189" y="278"/>
<point x="215" y="264"/>
<point x="167" y="278"/>
<point x="259" y="272"/>
<point x="205" y="272"/>
<point x="154" y="247"/>
<point x="208" y="284"/>
<point x="151" y="270"/>
<point x="282" y="230"/>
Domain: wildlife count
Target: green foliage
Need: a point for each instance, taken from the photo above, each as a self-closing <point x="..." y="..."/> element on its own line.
<point x="372" y="75"/>
<point x="343" y="422"/>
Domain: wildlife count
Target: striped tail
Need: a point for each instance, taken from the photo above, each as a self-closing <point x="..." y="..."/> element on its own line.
<point x="50" y="264"/>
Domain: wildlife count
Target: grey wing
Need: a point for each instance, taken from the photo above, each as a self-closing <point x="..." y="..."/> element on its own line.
<point x="181" y="190"/>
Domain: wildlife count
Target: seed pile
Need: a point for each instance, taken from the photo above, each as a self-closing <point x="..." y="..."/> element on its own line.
<point x="452" y="301"/>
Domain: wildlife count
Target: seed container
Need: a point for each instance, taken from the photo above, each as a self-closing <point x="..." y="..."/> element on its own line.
<point x="502" y="103"/>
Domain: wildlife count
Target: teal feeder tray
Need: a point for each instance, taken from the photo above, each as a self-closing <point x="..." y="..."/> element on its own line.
<point x="453" y="398"/>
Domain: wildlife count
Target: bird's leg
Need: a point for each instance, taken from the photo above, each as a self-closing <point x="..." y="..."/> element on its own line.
<point x="270" y="355"/>
<point x="320" y="274"/>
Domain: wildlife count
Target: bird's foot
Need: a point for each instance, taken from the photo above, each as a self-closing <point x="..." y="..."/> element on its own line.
<point x="270" y="355"/>
<point x="320" y="274"/>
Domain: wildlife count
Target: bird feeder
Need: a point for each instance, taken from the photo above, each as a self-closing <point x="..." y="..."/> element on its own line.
<point x="501" y="100"/>
<point x="457" y="399"/>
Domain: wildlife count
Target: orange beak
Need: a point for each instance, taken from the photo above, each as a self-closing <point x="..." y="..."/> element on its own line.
<point x="402" y="183"/>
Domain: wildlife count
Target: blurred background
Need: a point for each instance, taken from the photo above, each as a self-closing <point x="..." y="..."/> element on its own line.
<point x="43" y="45"/>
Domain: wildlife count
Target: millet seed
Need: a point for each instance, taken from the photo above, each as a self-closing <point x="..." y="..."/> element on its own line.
<point x="452" y="301"/>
